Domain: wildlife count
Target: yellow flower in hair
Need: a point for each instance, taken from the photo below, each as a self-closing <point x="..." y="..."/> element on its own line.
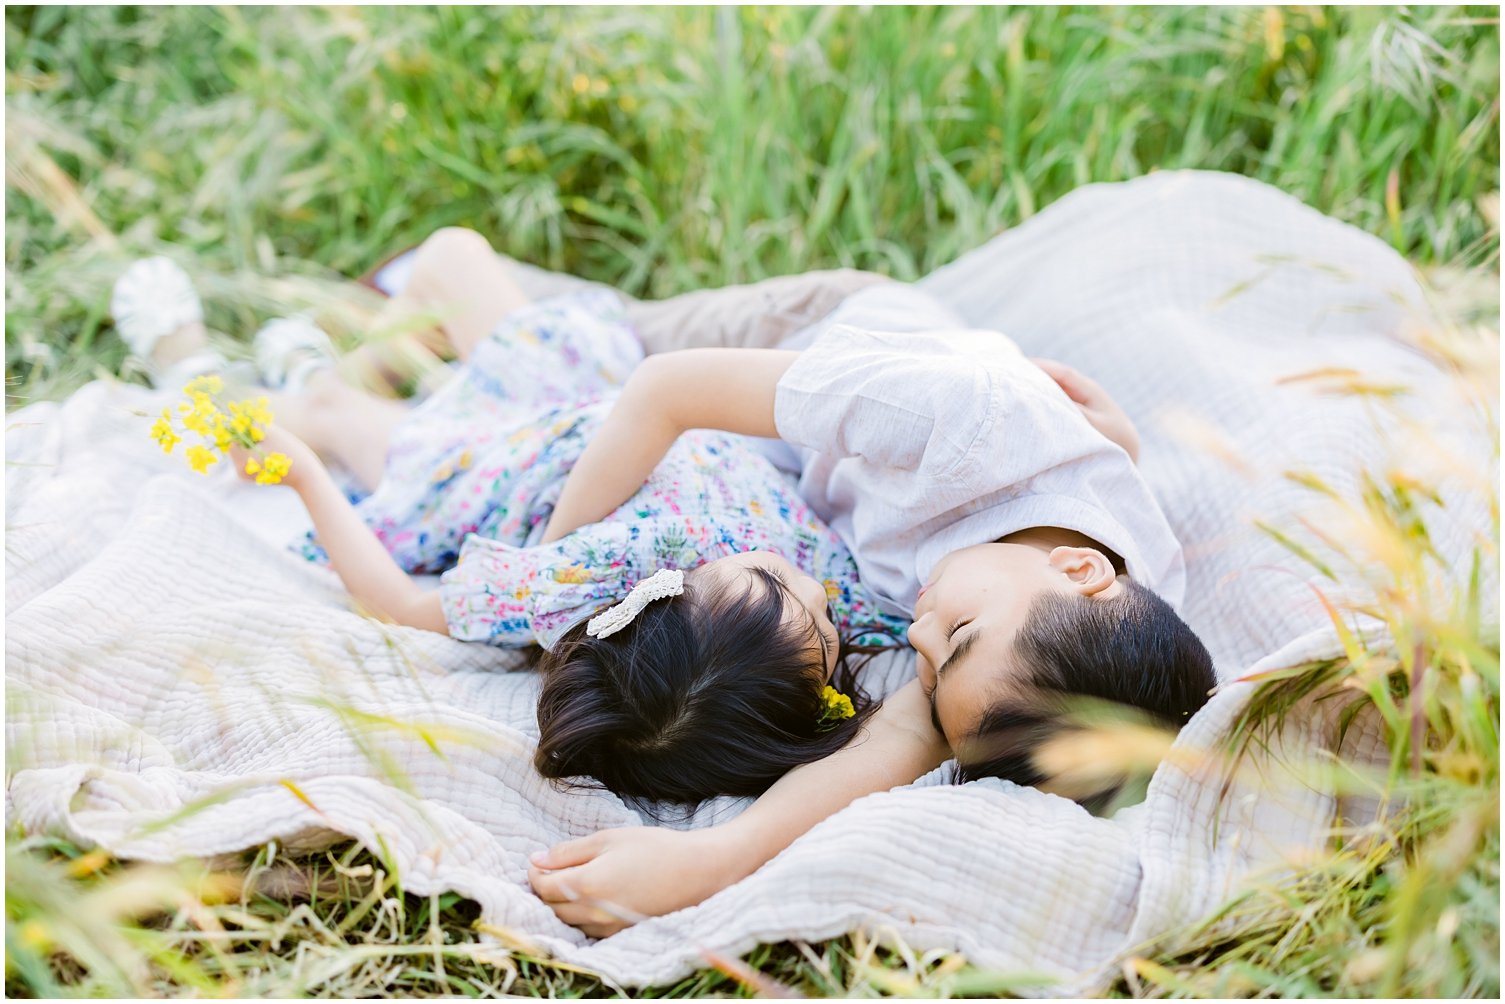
<point x="835" y="707"/>
<point x="201" y="459"/>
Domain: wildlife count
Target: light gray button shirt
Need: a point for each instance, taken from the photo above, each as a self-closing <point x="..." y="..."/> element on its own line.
<point x="915" y="444"/>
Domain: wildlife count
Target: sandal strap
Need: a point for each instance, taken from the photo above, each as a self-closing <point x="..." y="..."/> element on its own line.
<point x="289" y="349"/>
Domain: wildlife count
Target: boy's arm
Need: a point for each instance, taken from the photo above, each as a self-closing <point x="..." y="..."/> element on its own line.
<point x="608" y="880"/>
<point x="363" y="564"/>
<point x="727" y="389"/>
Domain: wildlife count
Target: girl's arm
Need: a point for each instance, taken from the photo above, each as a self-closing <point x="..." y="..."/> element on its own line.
<point x="608" y="880"/>
<point x="727" y="389"/>
<point x="363" y="564"/>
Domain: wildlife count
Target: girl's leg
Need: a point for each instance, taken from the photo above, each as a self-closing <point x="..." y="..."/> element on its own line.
<point x="342" y="423"/>
<point x="457" y="276"/>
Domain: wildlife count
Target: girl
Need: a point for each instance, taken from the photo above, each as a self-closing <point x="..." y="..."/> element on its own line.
<point x="689" y="636"/>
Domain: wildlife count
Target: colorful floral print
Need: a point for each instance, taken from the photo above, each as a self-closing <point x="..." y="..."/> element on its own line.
<point x="473" y="474"/>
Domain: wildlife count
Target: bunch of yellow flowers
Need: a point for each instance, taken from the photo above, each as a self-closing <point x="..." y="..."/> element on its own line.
<point x="237" y="423"/>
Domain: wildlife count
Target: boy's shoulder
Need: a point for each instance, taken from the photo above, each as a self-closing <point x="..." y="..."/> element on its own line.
<point x="986" y="360"/>
<point x="938" y="343"/>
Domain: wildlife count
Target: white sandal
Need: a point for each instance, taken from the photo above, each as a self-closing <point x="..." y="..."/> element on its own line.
<point x="289" y="350"/>
<point x="152" y="299"/>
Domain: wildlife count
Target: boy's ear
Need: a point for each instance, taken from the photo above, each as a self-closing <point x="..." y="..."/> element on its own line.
<point x="1088" y="569"/>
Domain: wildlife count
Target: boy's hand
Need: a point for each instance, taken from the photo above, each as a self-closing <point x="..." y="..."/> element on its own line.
<point x="612" y="879"/>
<point x="1095" y="404"/>
<point x="278" y="440"/>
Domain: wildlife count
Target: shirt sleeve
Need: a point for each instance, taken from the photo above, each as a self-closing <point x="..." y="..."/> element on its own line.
<point x="515" y="596"/>
<point x="914" y="402"/>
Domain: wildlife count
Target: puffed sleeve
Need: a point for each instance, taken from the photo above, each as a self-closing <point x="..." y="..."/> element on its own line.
<point x="908" y="402"/>
<point x="514" y="596"/>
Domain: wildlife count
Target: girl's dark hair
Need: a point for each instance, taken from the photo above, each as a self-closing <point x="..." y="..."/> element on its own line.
<point x="1130" y="650"/>
<point x="710" y="693"/>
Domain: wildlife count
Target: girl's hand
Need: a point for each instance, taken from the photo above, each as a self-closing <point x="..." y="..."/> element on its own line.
<point x="278" y="440"/>
<point x="612" y="879"/>
<point x="1095" y="404"/>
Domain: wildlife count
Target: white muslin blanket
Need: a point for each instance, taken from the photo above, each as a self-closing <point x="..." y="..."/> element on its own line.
<point x="178" y="683"/>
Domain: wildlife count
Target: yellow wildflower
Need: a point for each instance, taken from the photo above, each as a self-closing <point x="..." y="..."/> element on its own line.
<point x="162" y="432"/>
<point x="201" y="459"/>
<point x="210" y="384"/>
<point x="36" y="935"/>
<point x="201" y="414"/>
<point x="273" y="468"/>
<point x="836" y="707"/>
<point x="198" y="414"/>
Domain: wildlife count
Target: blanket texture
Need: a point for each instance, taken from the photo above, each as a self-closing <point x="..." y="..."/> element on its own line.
<point x="178" y="683"/>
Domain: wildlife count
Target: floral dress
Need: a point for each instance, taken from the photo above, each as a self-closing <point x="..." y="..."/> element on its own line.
<point x="473" y="474"/>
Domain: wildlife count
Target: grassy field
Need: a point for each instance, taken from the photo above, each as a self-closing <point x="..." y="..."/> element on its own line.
<point x="273" y="151"/>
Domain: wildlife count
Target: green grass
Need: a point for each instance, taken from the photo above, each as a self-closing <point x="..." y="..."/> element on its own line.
<point x="669" y="150"/>
<point x="273" y="151"/>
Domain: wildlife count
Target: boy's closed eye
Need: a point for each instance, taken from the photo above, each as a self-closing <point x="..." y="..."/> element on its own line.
<point x="953" y="662"/>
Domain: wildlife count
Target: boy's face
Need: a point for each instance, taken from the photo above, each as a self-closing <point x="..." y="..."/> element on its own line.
<point x="968" y="614"/>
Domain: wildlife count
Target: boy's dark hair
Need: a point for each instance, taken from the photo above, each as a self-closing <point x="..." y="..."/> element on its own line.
<point x="709" y="693"/>
<point x="1132" y="649"/>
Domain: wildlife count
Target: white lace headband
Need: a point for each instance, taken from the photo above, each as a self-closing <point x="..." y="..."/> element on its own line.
<point x="660" y="585"/>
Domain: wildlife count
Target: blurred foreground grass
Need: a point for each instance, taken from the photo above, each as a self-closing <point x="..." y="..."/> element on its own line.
<point x="273" y="150"/>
